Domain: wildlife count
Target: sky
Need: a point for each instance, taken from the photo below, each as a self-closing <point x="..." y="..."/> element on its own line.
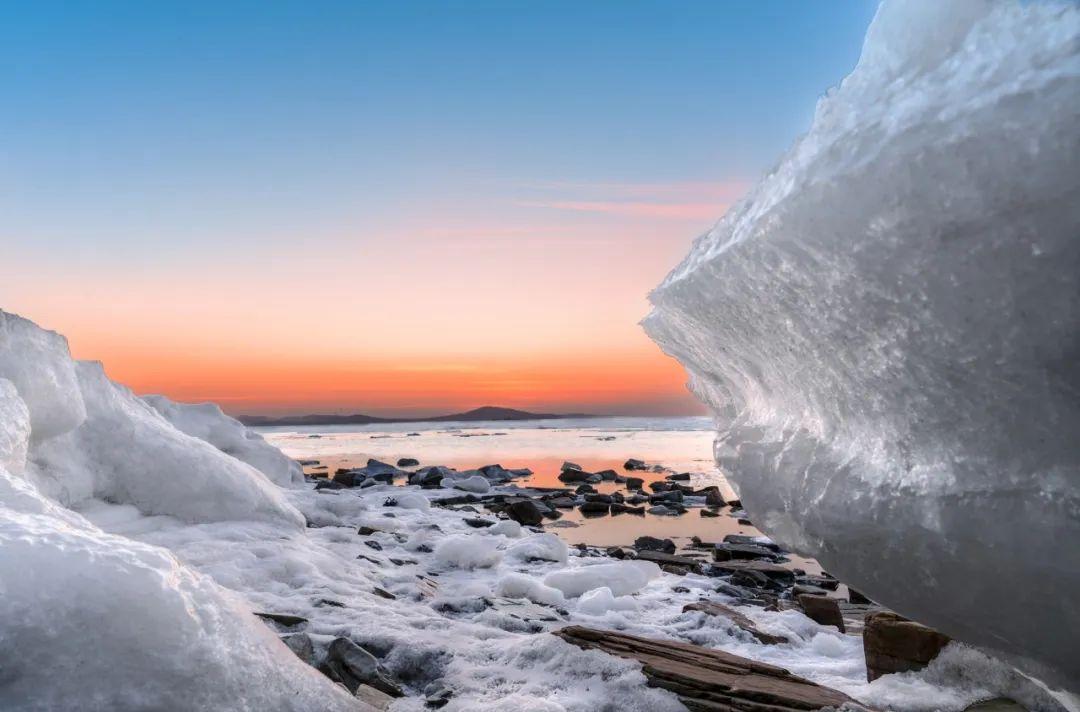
<point x="399" y="208"/>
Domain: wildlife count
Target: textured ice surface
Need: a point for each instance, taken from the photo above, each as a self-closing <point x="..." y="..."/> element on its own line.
<point x="888" y="328"/>
<point x="206" y="422"/>
<point x="14" y="428"/>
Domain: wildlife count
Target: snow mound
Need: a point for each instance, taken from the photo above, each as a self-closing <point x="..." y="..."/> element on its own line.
<point x="465" y="552"/>
<point x="39" y="364"/>
<point x="518" y="585"/>
<point x="887" y="327"/>
<point x="539" y="547"/>
<point x="621" y="578"/>
<point x="601" y="601"/>
<point x="93" y="621"/>
<point x="475" y="483"/>
<point x="125" y="452"/>
<point x="206" y="421"/>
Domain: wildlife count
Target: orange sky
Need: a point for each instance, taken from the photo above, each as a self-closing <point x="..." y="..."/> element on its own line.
<point x="539" y="312"/>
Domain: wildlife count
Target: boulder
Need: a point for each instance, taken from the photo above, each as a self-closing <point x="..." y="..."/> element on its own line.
<point x="821" y="609"/>
<point x="634" y="483"/>
<point x="679" y="477"/>
<point x="651" y="543"/>
<point x="709" y="513"/>
<point x="570" y="466"/>
<point x="633" y="464"/>
<point x="731" y="552"/>
<point x="408" y="462"/>
<point x="595" y="508"/>
<point x="608" y="475"/>
<point x="893" y="643"/>
<point x="375" y="698"/>
<point x="348" y="663"/>
<point x="300" y="644"/>
<point x="577" y="476"/>
<point x="714" y="499"/>
<point x="526" y="512"/>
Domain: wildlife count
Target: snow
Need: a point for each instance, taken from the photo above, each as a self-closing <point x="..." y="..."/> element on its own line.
<point x="601" y="601"/>
<point x="885" y="328"/>
<point x="620" y="578"/>
<point x="205" y="421"/>
<point x="474" y="483"/>
<point x="14" y="428"/>
<point x="465" y="552"/>
<point x="539" y="547"/>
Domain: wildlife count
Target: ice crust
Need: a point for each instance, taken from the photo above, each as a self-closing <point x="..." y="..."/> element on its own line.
<point x="206" y="421"/>
<point x="888" y="328"/>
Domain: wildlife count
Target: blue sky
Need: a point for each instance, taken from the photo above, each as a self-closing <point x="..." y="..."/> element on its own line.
<point x="159" y="137"/>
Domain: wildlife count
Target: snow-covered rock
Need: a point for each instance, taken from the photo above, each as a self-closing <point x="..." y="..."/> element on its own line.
<point x="206" y="421"/>
<point x="887" y="328"/>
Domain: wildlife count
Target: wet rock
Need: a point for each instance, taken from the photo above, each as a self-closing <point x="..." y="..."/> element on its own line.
<point x="567" y="465"/>
<point x="383" y="593"/>
<point x="745" y="522"/>
<point x="605" y="498"/>
<point x="300" y="644"/>
<point x="430" y="477"/>
<point x="998" y="704"/>
<point x="616" y="552"/>
<point x="584" y="489"/>
<point x="478" y="523"/>
<point x="857" y="598"/>
<point x="284" y="619"/>
<point x="732" y="552"/>
<point x="829" y="584"/>
<point x="652" y="543"/>
<point x="634" y="483"/>
<point x="709" y="513"/>
<point x="679" y="477"/>
<point x="735" y="504"/>
<point x="661" y="510"/>
<point x="437" y="695"/>
<point x="620" y="508"/>
<point x="373" y="544"/>
<point x="329" y="484"/>
<point x="351" y="665"/>
<point x="594" y="508"/>
<point x="562" y="502"/>
<point x="664" y="559"/>
<point x="366" y="531"/>
<point x="752" y="541"/>
<point x="660" y="486"/>
<point x="773" y="572"/>
<point x="714" y="499"/>
<point x="892" y="643"/>
<point x="710" y="680"/>
<point x="408" y="462"/>
<point x="526" y="512"/>
<point x="608" y="475"/>
<point x="738" y="619"/>
<point x="571" y="476"/>
<point x="822" y="609"/>
<point x="633" y="464"/>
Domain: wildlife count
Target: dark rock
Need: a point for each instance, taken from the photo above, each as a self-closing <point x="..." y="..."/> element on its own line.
<point x="382" y="593"/>
<point x="745" y="522"/>
<point x="856" y="597"/>
<point x="822" y="609"/>
<point x="526" y="512"/>
<point x="892" y="643"/>
<point x="751" y="541"/>
<point x="366" y="531"/>
<point x="456" y="501"/>
<point x="718" y="609"/>
<point x="595" y="508"/>
<point x="562" y="502"/>
<point x="663" y="558"/>
<point x="577" y="476"/>
<point x="478" y="523"/>
<point x="605" y="498"/>
<point x="624" y="509"/>
<point x="329" y="602"/>
<point x="282" y="619"/>
<point x="633" y="464"/>
<point x="636" y="499"/>
<point x="679" y="477"/>
<point x="651" y="543"/>
<point x="731" y="552"/>
<point x="300" y="644"/>
<point x="634" y="483"/>
<point x="330" y="484"/>
<point x="408" y="462"/>
<point x="708" y="680"/>
<point x="735" y="504"/>
<point x="774" y="572"/>
<point x="616" y="552"/>
<point x="373" y="544"/>
<point x="567" y="465"/>
<point x="608" y="475"/>
<point x="437" y="695"/>
<point x="348" y="663"/>
<point x="829" y="584"/>
<point x="660" y="486"/>
<point x="584" y="489"/>
<point x="715" y="499"/>
<point x="709" y="513"/>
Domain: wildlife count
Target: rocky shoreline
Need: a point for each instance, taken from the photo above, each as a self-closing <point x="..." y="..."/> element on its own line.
<point x="742" y="574"/>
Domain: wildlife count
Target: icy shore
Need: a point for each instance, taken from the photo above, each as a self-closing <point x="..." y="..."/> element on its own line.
<point x="887" y="328"/>
<point x="133" y="555"/>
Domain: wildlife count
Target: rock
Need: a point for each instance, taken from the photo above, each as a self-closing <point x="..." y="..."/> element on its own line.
<point x="829" y="584"/>
<point x="584" y="489"/>
<point x="665" y="497"/>
<point x="526" y="512"/>
<point x="383" y="593"/>
<point x="715" y="499"/>
<point x="774" y="572"/>
<point x="752" y="541"/>
<point x="570" y="466"/>
<point x="634" y="483"/>
<point x="373" y="544"/>
<point x="892" y="643"/>
<point x="660" y="486"/>
<point x="651" y="543"/>
<point x="745" y="522"/>
<point x="366" y="531"/>
<point x="633" y="464"/>
<point x="731" y="552"/>
<point x="662" y="511"/>
<point x="300" y="644"/>
<point x="663" y="558"/>
<point x="856" y="597"/>
<point x="821" y="609"/>
<point x="738" y="619"/>
<point x="408" y="462"/>
<point x="330" y="484"/>
<point x="577" y="476"/>
<point x="376" y="698"/>
<point x="478" y="523"/>
<point x="353" y="666"/>
<point x="608" y="475"/>
<point x="595" y="508"/>
<point x="709" y="513"/>
<point x="998" y="704"/>
<point x="616" y="552"/>
<point x="437" y="695"/>
<point x="562" y="502"/>
<point x="605" y="498"/>
<point x="708" y="680"/>
<point x="283" y="619"/>
<point x="430" y="477"/>
<point x="679" y="477"/>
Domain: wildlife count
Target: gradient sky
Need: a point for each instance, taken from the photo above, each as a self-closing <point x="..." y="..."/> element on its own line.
<point x="387" y="207"/>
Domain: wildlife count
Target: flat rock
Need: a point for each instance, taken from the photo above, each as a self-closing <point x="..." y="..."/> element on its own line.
<point x="376" y="698"/>
<point x="821" y="609"/>
<point x="731" y="552"/>
<point x="738" y="619"/>
<point x="773" y="571"/>
<point x="710" y="680"/>
<point x="282" y="619"/>
<point x="662" y="558"/>
<point x="652" y="543"/>
<point x="348" y="663"/>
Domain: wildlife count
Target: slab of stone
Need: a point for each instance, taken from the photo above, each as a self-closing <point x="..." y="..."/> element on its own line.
<point x="821" y="609"/>
<point x="711" y="680"/>
<point x="892" y="643"/>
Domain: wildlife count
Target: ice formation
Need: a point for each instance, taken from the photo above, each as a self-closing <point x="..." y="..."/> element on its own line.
<point x="206" y="422"/>
<point x="888" y="328"/>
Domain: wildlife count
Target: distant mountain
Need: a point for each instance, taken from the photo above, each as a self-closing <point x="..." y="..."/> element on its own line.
<point x="487" y="412"/>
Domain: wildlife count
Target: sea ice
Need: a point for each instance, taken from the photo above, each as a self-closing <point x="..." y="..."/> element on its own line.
<point x="887" y="328"/>
<point x="620" y="577"/>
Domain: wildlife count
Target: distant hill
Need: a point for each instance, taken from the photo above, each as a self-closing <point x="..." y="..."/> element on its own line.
<point x="487" y="412"/>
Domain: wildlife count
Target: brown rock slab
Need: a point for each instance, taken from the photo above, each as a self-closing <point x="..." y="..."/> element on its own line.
<point x="710" y="680"/>
<point x="738" y="619"/>
<point x="892" y="643"/>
